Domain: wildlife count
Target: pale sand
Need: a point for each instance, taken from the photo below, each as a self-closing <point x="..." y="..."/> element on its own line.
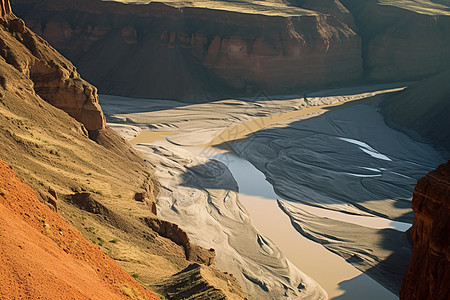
<point x="366" y="221"/>
<point x="314" y="106"/>
<point x="347" y="160"/>
<point x="201" y="196"/>
<point x="201" y="122"/>
<point x="150" y="137"/>
<point x="382" y="254"/>
<point x="329" y="270"/>
<point x="136" y="135"/>
<point x="214" y="123"/>
<point x="253" y="182"/>
<point x="128" y="132"/>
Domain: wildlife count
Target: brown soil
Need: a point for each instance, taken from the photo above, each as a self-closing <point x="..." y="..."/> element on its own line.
<point x="43" y="257"/>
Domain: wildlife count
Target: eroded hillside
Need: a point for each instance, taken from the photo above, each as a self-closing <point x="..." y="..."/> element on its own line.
<point x="84" y="171"/>
<point x="44" y="257"/>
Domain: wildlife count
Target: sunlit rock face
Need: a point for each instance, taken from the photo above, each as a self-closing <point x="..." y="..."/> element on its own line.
<point x="54" y="78"/>
<point x="429" y="271"/>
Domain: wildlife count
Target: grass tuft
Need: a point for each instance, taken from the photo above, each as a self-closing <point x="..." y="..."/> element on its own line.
<point x="100" y="241"/>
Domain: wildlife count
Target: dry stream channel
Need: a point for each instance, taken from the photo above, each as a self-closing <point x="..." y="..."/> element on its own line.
<point x="297" y="159"/>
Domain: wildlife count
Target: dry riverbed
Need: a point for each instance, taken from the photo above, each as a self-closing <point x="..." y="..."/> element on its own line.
<point x="326" y="155"/>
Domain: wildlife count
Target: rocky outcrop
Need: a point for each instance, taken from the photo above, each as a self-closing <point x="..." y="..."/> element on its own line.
<point x="198" y="285"/>
<point x="64" y="89"/>
<point x="148" y="196"/>
<point x="55" y="79"/>
<point x="197" y="54"/>
<point x="429" y="271"/>
<point x="178" y="236"/>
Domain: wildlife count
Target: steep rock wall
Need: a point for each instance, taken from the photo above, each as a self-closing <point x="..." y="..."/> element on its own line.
<point x="5" y="8"/>
<point x="91" y="184"/>
<point x="402" y="40"/>
<point x="55" y="78"/>
<point x="196" y="54"/>
<point x="429" y="271"/>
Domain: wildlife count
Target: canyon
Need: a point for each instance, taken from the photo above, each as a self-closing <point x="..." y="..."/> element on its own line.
<point x="148" y="198"/>
<point x="333" y="152"/>
<point x="204" y="50"/>
<point x="197" y="53"/>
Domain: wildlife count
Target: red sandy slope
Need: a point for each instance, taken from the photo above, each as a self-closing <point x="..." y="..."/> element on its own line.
<point x="42" y="257"/>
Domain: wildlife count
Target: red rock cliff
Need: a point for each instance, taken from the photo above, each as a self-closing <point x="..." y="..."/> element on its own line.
<point x="428" y="276"/>
<point x="55" y="78"/>
<point x="196" y="54"/>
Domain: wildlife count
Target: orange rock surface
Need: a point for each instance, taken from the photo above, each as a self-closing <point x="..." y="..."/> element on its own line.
<point x="42" y="257"/>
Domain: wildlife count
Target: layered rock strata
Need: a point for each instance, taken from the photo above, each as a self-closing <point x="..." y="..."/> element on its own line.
<point x="55" y="79"/>
<point x="196" y="54"/>
<point x="429" y="271"/>
<point x="402" y="40"/>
